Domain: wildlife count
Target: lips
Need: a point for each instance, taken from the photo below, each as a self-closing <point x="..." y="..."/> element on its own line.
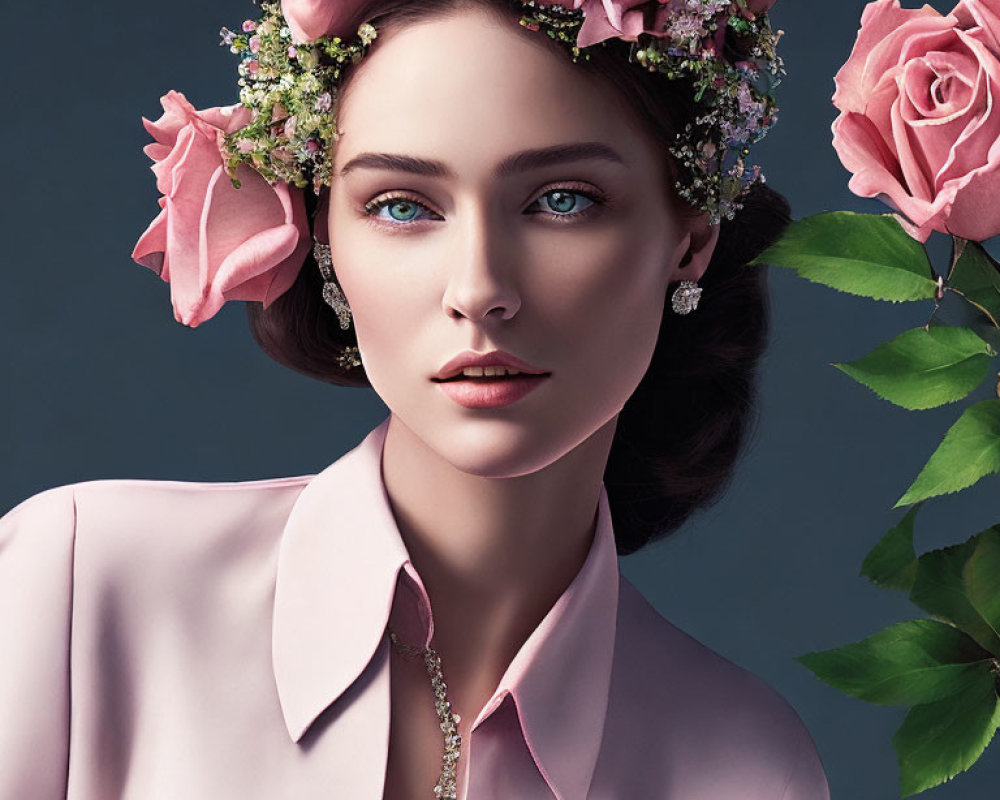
<point x="490" y="392"/>
<point x="495" y="358"/>
<point x="488" y="378"/>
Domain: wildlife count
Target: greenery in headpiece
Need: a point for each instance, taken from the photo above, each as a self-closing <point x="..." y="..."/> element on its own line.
<point x="292" y="90"/>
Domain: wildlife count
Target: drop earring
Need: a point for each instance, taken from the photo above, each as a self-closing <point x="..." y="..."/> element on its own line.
<point x="686" y="296"/>
<point x="332" y="293"/>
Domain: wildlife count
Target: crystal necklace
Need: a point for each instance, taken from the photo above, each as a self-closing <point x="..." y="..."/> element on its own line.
<point x="446" y="788"/>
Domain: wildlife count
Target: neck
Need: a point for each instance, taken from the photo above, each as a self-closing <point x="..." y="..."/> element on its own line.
<point x="494" y="553"/>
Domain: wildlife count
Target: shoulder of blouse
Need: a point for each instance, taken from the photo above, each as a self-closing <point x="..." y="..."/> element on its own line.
<point x="37" y="539"/>
<point x="705" y="715"/>
<point x="121" y="524"/>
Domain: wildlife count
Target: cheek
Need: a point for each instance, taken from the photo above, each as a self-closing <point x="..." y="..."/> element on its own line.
<point x="386" y="318"/>
<point x="604" y="285"/>
<point x="603" y="312"/>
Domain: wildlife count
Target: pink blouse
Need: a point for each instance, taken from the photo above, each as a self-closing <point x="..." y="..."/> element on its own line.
<point x="166" y="640"/>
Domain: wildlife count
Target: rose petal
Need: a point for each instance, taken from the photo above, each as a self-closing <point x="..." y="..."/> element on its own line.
<point x="248" y="231"/>
<point x="876" y="171"/>
<point x="939" y="86"/>
<point x="915" y="175"/>
<point x="151" y="246"/>
<point x="177" y="112"/>
<point x="975" y="212"/>
<point x="877" y="47"/>
<point x="931" y="139"/>
<point x="977" y="14"/>
<point x="164" y="170"/>
<point x="185" y="208"/>
<point x="864" y="152"/>
<point x="250" y="270"/>
<point x="975" y="146"/>
<point x="310" y="19"/>
<point x="614" y="12"/>
<point x="878" y="109"/>
<point x="596" y="26"/>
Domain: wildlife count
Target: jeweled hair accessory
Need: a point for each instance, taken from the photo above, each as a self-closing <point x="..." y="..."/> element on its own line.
<point x="291" y="86"/>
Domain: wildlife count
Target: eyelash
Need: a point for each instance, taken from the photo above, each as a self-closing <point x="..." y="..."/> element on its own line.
<point x="373" y="206"/>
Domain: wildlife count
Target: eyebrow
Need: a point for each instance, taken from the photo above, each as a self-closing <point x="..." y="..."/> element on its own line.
<point x="516" y="162"/>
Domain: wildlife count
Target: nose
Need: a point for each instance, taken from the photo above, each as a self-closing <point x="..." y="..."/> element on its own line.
<point x="479" y="281"/>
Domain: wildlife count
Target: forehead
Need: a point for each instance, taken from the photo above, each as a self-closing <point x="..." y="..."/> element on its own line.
<point x="470" y="85"/>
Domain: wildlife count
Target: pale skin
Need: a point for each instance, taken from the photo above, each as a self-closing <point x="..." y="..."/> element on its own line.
<point x="496" y="507"/>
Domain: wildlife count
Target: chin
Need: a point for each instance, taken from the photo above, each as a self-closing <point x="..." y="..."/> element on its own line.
<point x="508" y="448"/>
<point x="500" y="448"/>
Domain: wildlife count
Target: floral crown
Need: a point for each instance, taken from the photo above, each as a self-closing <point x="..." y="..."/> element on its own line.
<point x="291" y="86"/>
<point x="233" y="222"/>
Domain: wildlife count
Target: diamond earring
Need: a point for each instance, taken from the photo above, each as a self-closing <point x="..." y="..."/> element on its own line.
<point x="350" y="357"/>
<point x="686" y="297"/>
<point x="332" y="293"/>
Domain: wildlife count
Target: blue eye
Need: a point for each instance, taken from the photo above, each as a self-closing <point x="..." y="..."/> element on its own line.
<point x="393" y="204"/>
<point x="563" y="201"/>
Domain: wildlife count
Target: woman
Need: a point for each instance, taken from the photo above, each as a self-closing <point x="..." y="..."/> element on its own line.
<point x="257" y="639"/>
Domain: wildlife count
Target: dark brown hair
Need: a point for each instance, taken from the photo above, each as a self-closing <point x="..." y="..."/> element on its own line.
<point x="679" y="435"/>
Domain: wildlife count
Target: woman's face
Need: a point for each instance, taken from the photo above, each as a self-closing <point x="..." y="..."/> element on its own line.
<point x="562" y="262"/>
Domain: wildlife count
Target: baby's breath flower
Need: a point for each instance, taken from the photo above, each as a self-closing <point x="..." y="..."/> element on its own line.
<point x="291" y="89"/>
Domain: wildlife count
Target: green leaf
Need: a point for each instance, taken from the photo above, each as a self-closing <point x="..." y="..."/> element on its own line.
<point x="941" y="739"/>
<point x="892" y="563"/>
<point x="977" y="276"/>
<point x="939" y="588"/>
<point x="912" y="662"/>
<point x="970" y="450"/>
<point x="924" y="368"/>
<point x="982" y="579"/>
<point x="863" y="254"/>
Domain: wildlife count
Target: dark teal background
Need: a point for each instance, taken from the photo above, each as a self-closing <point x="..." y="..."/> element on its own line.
<point x="99" y="381"/>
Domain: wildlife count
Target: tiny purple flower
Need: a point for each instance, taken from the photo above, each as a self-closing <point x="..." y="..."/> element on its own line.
<point x="292" y="52"/>
<point x="254" y="44"/>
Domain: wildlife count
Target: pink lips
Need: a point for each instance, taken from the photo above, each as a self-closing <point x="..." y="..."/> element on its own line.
<point x="487" y="392"/>
<point x="494" y="358"/>
<point x="491" y="392"/>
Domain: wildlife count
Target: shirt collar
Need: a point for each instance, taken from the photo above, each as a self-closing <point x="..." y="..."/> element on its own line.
<point x="340" y="562"/>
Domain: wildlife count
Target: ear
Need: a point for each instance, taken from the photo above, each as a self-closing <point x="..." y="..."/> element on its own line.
<point x="701" y="240"/>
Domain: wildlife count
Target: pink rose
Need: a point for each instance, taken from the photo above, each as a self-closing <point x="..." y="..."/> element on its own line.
<point x="311" y="19"/>
<point x="211" y="241"/>
<point x="626" y="19"/>
<point x="919" y="124"/>
<point x="606" y="19"/>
